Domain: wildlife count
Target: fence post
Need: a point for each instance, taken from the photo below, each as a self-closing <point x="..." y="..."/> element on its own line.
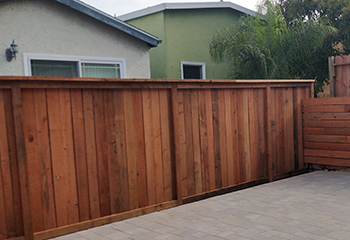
<point x="175" y="115"/>
<point x="269" y="132"/>
<point x="331" y="61"/>
<point x="22" y="161"/>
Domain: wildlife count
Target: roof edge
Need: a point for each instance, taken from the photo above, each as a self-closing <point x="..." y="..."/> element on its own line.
<point x="188" y="5"/>
<point x="114" y="22"/>
<point x="82" y="7"/>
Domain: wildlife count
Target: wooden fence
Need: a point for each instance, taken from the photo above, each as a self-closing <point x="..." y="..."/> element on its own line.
<point x="77" y="153"/>
<point x="339" y="76"/>
<point x="327" y="131"/>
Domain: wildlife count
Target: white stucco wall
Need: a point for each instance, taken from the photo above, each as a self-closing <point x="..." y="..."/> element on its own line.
<point x="48" y="27"/>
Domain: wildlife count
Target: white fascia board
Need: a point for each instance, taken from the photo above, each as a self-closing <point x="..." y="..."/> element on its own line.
<point x="194" y="5"/>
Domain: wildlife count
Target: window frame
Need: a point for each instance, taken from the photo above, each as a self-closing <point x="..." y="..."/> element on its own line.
<point x="197" y="64"/>
<point x="27" y="57"/>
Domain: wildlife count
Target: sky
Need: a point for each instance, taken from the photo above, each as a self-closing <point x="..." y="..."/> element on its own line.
<point x="120" y="7"/>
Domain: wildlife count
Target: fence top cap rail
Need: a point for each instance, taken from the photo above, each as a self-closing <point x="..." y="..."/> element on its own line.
<point x="142" y="80"/>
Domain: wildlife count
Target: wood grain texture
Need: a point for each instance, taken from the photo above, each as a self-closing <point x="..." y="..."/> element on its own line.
<point x="165" y="122"/>
<point x="22" y="162"/>
<point x="92" y="171"/>
<point x="177" y="143"/>
<point x="121" y="150"/>
<point x="140" y="149"/>
<point x="131" y="149"/>
<point x="80" y="154"/>
<point x="326" y="133"/>
<point x="101" y="152"/>
<point x="5" y="219"/>
<point x="100" y="149"/>
<point x="14" y="166"/>
<point x="34" y="175"/>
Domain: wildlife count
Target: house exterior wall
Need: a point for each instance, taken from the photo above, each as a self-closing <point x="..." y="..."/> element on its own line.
<point x="186" y="36"/>
<point x="48" y="27"/>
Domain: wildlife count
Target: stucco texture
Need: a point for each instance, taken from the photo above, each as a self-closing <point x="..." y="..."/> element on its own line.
<point x="48" y="27"/>
<point x="186" y="36"/>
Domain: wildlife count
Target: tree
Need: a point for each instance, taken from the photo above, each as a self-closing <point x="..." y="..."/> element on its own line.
<point x="265" y="46"/>
<point x="337" y="13"/>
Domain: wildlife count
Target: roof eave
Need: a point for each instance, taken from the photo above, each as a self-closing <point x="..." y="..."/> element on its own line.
<point x="180" y="6"/>
<point x="151" y="40"/>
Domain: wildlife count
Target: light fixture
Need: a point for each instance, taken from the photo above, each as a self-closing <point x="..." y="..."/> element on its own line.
<point x="12" y="51"/>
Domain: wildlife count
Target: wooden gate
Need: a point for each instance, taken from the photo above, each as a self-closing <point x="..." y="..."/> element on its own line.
<point x="339" y="76"/>
<point x="326" y="123"/>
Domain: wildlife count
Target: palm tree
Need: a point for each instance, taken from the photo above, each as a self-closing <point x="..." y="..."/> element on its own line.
<point x="266" y="47"/>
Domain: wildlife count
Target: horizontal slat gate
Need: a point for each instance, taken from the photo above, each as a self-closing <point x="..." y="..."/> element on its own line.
<point x="326" y="131"/>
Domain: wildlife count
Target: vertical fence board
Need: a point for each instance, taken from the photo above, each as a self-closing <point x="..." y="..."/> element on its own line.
<point x="111" y="151"/>
<point x="243" y="136"/>
<point x="222" y="132"/>
<point x="182" y="143"/>
<point x="6" y="212"/>
<point x="69" y="160"/>
<point x="204" y="140"/>
<point x="34" y="161"/>
<point x="189" y="142"/>
<point x="196" y="142"/>
<point x="22" y="161"/>
<point x="235" y="136"/>
<point x="140" y="150"/>
<point x="80" y="154"/>
<point x="102" y="152"/>
<point x="91" y="156"/>
<point x="166" y="144"/>
<point x="253" y="132"/>
<point x="210" y="135"/>
<point x="216" y="138"/>
<point x="121" y="150"/>
<point x="177" y="143"/>
<point x="289" y="126"/>
<point x="260" y="113"/>
<point x="14" y="166"/>
<point x="44" y="158"/>
<point x="158" y="157"/>
<point x="131" y="149"/>
<point x="229" y="138"/>
<point x="149" y="147"/>
<point x="270" y="113"/>
<point x="3" y="217"/>
<point x="57" y="157"/>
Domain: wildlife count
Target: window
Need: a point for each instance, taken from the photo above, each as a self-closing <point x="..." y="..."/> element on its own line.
<point x="192" y="70"/>
<point x="73" y="66"/>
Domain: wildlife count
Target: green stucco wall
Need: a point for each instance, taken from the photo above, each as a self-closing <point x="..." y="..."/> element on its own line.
<point x="186" y="35"/>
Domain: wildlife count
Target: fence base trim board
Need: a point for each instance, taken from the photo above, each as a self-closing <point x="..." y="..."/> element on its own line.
<point x="223" y="191"/>
<point x="290" y="174"/>
<point x="102" y="221"/>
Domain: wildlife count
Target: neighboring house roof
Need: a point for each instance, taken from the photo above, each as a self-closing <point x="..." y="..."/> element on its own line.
<point x="77" y="5"/>
<point x="177" y="6"/>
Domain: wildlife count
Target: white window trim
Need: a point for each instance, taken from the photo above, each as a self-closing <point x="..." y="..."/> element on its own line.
<point x="202" y="64"/>
<point x="27" y="57"/>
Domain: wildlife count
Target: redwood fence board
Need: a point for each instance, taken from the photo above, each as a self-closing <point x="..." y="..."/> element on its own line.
<point x="327" y="131"/>
<point x="77" y="153"/>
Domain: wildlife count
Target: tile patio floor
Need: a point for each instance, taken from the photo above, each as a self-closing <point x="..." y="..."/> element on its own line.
<point x="310" y="206"/>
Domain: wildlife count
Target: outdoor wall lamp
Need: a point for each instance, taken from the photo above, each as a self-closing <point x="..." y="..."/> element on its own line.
<point x="12" y="51"/>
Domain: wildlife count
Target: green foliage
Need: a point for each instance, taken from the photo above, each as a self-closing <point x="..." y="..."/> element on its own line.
<point x="337" y="13"/>
<point x="267" y="47"/>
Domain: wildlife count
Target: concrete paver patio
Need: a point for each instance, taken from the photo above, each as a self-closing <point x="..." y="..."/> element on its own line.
<point x="310" y="206"/>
